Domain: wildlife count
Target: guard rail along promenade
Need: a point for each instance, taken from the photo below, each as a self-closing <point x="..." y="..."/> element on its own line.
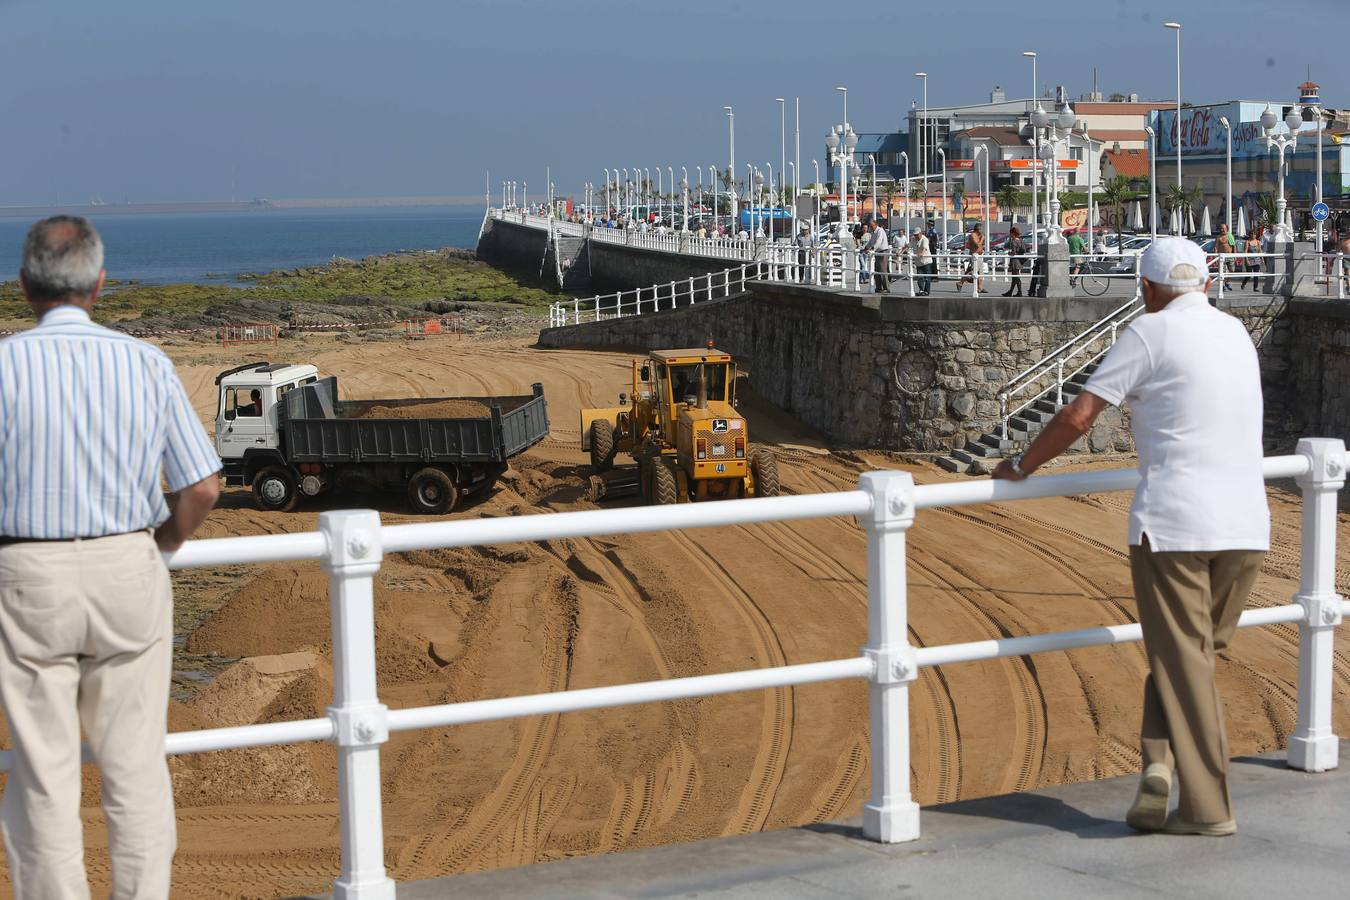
<point x="351" y="544"/>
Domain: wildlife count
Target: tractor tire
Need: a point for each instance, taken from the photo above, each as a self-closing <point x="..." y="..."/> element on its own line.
<point x="764" y="469"/>
<point x="663" y="490"/>
<point x="275" y="489"/>
<point x="432" y="492"/>
<point x="602" y="445"/>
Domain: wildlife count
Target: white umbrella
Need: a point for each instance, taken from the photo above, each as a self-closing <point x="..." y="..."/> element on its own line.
<point x="1242" y="220"/>
<point x="1190" y="219"/>
<point x="1174" y="224"/>
<point x="1136" y="218"/>
<point x="1205" y="227"/>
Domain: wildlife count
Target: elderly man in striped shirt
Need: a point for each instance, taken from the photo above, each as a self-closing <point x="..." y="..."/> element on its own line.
<point x="89" y="420"/>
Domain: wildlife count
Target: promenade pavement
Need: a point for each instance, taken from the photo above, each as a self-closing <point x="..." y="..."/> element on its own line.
<point x="1063" y="842"/>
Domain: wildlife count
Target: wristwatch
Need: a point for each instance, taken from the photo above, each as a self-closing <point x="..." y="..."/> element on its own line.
<point x="1016" y="464"/>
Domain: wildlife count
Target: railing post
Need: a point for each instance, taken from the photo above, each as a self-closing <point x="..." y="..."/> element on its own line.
<point x="1059" y="383"/>
<point x="890" y="814"/>
<point x="1219" y="260"/>
<point x="360" y="720"/>
<point x="1313" y="746"/>
<point x="1340" y="276"/>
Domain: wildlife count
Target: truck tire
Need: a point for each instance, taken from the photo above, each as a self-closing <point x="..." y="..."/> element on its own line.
<point x="432" y="492"/>
<point x="663" y="490"/>
<point x="764" y="468"/>
<point x="275" y="489"/>
<point x="602" y="445"/>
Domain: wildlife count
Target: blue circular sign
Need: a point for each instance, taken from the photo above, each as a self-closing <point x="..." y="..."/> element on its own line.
<point x="1321" y="211"/>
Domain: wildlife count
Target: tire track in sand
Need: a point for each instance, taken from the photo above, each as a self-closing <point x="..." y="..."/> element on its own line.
<point x="770" y="759"/>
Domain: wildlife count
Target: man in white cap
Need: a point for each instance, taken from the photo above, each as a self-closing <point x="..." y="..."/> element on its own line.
<point x="1199" y="526"/>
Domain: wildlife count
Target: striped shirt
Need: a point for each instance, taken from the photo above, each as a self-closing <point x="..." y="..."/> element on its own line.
<point x="88" y="419"/>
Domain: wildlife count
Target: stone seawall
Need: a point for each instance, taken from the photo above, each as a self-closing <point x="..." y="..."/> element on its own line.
<point x="924" y="375"/>
<point x="512" y="246"/>
<point x="869" y="371"/>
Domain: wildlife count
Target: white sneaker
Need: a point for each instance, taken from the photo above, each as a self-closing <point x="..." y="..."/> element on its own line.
<point x="1149" y="812"/>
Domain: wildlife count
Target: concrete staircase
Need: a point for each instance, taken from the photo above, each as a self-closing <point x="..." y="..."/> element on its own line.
<point x="979" y="457"/>
<point x="567" y="257"/>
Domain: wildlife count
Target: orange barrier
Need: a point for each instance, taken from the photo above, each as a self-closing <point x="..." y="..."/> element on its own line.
<point x="250" y="333"/>
<point x="451" y="324"/>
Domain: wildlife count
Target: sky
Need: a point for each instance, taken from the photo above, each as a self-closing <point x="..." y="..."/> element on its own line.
<point x="152" y="100"/>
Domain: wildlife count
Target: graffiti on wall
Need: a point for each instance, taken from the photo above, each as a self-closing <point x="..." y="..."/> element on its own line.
<point x="1203" y="134"/>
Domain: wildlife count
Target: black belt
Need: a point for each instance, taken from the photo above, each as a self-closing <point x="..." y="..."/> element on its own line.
<point x="6" y="540"/>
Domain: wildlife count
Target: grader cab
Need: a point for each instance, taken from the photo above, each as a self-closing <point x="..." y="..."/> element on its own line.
<point x="681" y="427"/>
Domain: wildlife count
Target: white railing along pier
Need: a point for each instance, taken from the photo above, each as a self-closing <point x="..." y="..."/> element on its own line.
<point x="351" y="544"/>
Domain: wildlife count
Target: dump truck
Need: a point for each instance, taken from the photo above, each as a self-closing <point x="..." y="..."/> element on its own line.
<point x="282" y="430"/>
<point x="681" y="427"/>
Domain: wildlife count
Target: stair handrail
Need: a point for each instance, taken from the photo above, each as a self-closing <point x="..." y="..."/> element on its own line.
<point x="1055" y="360"/>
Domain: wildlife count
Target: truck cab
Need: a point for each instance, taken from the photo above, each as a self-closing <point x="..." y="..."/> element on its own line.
<point x="246" y="411"/>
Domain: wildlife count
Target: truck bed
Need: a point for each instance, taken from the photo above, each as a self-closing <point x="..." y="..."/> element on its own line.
<point x="318" y="427"/>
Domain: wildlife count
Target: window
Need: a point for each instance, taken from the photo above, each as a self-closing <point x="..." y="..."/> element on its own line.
<point x="243" y="403"/>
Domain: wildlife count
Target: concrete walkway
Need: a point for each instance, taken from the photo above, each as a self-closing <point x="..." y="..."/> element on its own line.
<point x="1070" y="842"/>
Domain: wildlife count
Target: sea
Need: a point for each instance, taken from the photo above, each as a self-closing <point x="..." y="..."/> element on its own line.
<point x="216" y="248"/>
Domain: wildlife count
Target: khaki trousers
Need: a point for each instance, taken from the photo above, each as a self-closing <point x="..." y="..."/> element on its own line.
<point x="1189" y="604"/>
<point x="86" y="631"/>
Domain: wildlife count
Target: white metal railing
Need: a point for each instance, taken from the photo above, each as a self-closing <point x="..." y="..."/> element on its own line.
<point x="350" y="545"/>
<point x="656" y="297"/>
<point x="1062" y="364"/>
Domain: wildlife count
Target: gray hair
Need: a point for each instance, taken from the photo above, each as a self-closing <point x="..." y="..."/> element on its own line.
<point x="62" y="257"/>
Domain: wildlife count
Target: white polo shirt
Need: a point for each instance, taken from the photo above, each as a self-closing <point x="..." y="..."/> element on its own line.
<point x="1190" y="377"/>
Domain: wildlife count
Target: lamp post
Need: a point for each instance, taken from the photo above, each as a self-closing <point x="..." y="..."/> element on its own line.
<point x="731" y="166"/>
<point x="942" y="155"/>
<point x="923" y="157"/>
<point x="1228" y="183"/>
<point x="1152" y="182"/>
<point x="1087" y="136"/>
<point x="797" y="159"/>
<point x="848" y="140"/>
<point x="905" y="157"/>
<point x="1284" y="233"/>
<point x="684" y="191"/>
<point x="815" y="205"/>
<point x="548" y="190"/>
<point x="1036" y="157"/>
<point x="782" y="138"/>
<point x="712" y="176"/>
<point x="1064" y="119"/>
<point x="1321" y="119"/>
<point x="647" y="192"/>
<point x="750" y="180"/>
<point x="984" y="189"/>
<point x="792" y="180"/>
<point x="670" y="180"/>
<point x="768" y="167"/>
<point x="1176" y="26"/>
<point x="606" y="171"/>
<point x="525" y="195"/>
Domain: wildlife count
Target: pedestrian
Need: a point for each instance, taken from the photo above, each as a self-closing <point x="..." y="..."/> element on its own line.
<point x="975" y="249"/>
<point x="1076" y="251"/>
<point x="921" y="256"/>
<point x="1224" y="248"/>
<point x="934" y="248"/>
<point x="1017" y="249"/>
<point x="1251" y="264"/>
<point x="805" y="252"/>
<point x="92" y="417"/>
<point x="1199" y="526"/>
<point x="877" y="245"/>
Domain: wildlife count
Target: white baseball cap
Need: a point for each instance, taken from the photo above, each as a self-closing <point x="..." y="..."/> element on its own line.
<point x="1175" y="262"/>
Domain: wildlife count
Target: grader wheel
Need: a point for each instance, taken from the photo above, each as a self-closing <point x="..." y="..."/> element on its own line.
<point x="663" y="490"/>
<point x="764" y="469"/>
<point x="602" y="445"/>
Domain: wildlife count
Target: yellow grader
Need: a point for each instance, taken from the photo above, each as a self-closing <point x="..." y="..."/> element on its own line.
<point x="681" y="427"/>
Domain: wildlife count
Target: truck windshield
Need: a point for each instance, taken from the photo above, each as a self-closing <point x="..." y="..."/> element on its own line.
<point x="684" y="381"/>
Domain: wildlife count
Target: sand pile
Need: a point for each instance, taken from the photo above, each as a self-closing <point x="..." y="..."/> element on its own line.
<point x="439" y="409"/>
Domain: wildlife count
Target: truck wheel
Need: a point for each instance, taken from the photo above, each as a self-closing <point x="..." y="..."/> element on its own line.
<point x="602" y="445"/>
<point x="663" y="490"/>
<point x="764" y="468"/>
<point x="432" y="492"/>
<point x="274" y="488"/>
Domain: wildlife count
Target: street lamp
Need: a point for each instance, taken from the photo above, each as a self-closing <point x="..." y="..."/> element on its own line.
<point x="670" y="180"/>
<point x="905" y="157"/>
<point x="750" y="189"/>
<point x="1228" y="184"/>
<point x="984" y="193"/>
<point x="1176" y="26"/>
<point x="815" y="201"/>
<point x="684" y="190"/>
<point x="923" y="157"/>
<point x="1321" y="120"/>
<point x="1152" y="182"/>
<point x="782" y="138"/>
<point x="768" y="167"/>
<point x="606" y="192"/>
<point x="1284" y="233"/>
<point x="792" y="180"/>
<point x="712" y="176"/>
<point x="647" y="192"/>
<point x="1049" y="153"/>
<point x="1036" y="156"/>
<point x="942" y="156"/>
<point x="731" y="166"/>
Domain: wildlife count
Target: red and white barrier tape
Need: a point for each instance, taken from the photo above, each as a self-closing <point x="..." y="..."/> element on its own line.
<point x="281" y="326"/>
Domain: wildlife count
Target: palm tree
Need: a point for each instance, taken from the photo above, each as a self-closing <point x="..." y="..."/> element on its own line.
<point x="1270" y="210"/>
<point x="1007" y="199"/>
<point x="1114" y="195"/>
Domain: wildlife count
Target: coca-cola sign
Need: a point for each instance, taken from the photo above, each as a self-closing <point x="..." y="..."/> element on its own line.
<point x="1202" y="133"/>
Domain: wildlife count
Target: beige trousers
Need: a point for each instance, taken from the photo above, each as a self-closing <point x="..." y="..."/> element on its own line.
<point x="1189" y="604"/>
<point x="86" y="631"/>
